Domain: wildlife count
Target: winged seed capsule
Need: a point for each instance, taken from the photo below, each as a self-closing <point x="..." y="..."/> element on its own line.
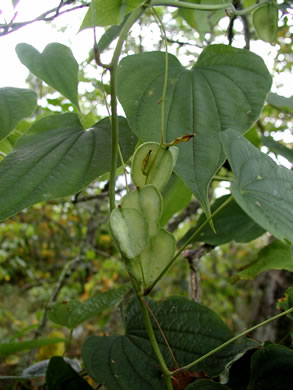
<point x="148" y="200"/>
<point x="265" y="20"/>
<point x="129" y="231"/>
<point x="153" y="164"/>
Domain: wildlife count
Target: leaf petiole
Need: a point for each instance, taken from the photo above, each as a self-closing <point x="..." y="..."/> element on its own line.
<point x="229" y="8"/>
<point x="244" y="333"/>
<point x="162" y="100"/>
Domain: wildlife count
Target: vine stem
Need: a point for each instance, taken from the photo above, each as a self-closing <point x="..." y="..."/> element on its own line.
<point x="185" y="4"/>
<point x="162" y="100"/>
<point x="162" y="333"/>
<point x="151" y="334"/>
<point x="181" y="249"/>
<point x="119" y="148"/>
<point x="244" y="333"/>
<point x="115" y="137"/>
<point x="229" y="8"/>
<point x="152" y="337"/>
<point x="113" y="86"/>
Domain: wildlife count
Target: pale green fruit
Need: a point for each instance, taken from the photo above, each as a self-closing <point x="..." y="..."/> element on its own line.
<point x="148" y="201"/>
<point x="129" y="230"/>
<point x="153" y="164"/>
<point x="265" y="21"/>
<point x="155" y="257"/>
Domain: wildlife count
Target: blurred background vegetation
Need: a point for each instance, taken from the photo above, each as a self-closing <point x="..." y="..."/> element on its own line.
<point x="38" y="243"/>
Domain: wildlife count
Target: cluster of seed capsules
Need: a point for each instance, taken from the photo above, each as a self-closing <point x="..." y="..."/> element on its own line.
<point x="135" y="225"/>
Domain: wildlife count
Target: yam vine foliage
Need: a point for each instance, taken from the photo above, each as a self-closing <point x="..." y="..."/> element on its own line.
<point x="180" y="126"/>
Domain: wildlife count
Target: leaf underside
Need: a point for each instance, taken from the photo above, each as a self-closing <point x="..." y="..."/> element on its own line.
<point x="110" y="12"/>
<point x="55" y="65"/>
<point x="225" y="88"/>
<point x="57" y="158"/>
<point x="15" y="104"/>
<point x="127" y="362"/>
<point x="262" y="188"/>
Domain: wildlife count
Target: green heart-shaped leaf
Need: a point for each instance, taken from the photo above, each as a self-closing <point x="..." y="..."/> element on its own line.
<point x="225" y="88"/>
<point x="15" y="104"/>
<point x="57" y="158"/>
<point x="148" y="201"/>
<point x="129" y="230"/>
<point x="128" y="362"/>
<point x="121" y="363"/>
<point x="73" y="313"/>
<point x="262" y="188"/>
<point x="104" y="13"/>
<point x="56" y="66"/>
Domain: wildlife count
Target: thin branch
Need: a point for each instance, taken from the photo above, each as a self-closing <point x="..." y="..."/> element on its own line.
<point x="193" y="257"/>
<point x="90" y="197"/>
<point x="230" y="30"/>
<point x="65" y="274"/>
<point x="182" y="43"/>
<point x="59" y="226"/>
<point x="247" y="33"/>
<point x="69" y="268"/>
<point x="175" y="222"/>
<point x="47" y="16"/>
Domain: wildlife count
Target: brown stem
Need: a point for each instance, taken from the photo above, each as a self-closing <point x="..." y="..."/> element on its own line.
<point x="47" y="16"/>
<point x="193" y="257"/>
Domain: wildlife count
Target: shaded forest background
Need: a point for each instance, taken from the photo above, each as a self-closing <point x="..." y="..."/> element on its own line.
<point x="62" y="249"/>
